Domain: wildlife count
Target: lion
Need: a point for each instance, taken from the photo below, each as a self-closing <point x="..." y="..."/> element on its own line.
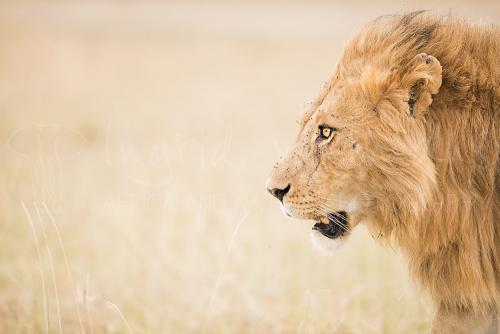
<point x="405" y="139"/>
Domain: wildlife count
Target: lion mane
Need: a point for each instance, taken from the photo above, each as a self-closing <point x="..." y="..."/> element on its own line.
<point x="405" y="138"/>
<point x="450" y="227"/>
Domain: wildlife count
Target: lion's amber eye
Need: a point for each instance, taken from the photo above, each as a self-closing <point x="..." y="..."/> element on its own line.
<point x="325" y="132"/>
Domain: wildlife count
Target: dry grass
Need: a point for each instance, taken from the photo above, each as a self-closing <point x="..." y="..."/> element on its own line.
<point x="135" y="145"/>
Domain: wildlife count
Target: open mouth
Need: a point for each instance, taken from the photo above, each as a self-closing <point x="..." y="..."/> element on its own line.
<point x="336" y="226"/>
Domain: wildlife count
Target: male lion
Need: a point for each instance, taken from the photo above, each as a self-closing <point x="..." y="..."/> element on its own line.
<point x="405" y="138"/>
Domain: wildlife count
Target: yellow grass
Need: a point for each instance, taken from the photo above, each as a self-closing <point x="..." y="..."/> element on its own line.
<point x="136" y="140"/>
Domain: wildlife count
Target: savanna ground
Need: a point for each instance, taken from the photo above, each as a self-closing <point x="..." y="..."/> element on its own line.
<point x="135" y="144"/>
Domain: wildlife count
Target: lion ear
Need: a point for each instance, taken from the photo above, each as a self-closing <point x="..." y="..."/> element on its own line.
<point x="421" y="80"/>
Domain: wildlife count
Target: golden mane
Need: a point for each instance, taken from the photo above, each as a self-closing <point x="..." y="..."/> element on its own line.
<point x="454" y="245"/>
<point x="411" y="149"/>
<point x="468" y="53"/>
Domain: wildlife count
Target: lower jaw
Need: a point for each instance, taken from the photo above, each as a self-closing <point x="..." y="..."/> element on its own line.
<point x="337" y="225"/>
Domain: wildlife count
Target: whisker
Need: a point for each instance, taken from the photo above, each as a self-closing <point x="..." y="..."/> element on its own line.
<point x="324" y="210"/>
<point x="332" y="214"/>
<point x="336" y="222"/>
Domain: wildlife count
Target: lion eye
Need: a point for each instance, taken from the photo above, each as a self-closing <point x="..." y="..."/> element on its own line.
<point x="325" y="132"/>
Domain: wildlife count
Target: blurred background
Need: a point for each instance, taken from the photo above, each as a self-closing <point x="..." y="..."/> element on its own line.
<point x="135" y="141"/>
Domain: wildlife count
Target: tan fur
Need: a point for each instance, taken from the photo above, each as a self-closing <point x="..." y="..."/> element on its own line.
<point x="426" y="176"/>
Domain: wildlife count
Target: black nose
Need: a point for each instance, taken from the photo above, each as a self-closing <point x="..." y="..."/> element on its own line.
<point x="279" y="193"/>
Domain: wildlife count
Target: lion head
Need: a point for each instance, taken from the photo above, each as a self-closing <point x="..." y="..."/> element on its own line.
<point x="411" y="151"/>
<point x="361" y="152"/>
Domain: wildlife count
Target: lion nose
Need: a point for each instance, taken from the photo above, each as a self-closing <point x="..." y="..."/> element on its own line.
<point x="279" y="193"/>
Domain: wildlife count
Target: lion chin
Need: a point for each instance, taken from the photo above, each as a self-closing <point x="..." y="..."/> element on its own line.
<point x="324" y="244"/>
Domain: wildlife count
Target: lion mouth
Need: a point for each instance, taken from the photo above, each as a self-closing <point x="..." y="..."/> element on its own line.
<point x="336" y="226"/>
